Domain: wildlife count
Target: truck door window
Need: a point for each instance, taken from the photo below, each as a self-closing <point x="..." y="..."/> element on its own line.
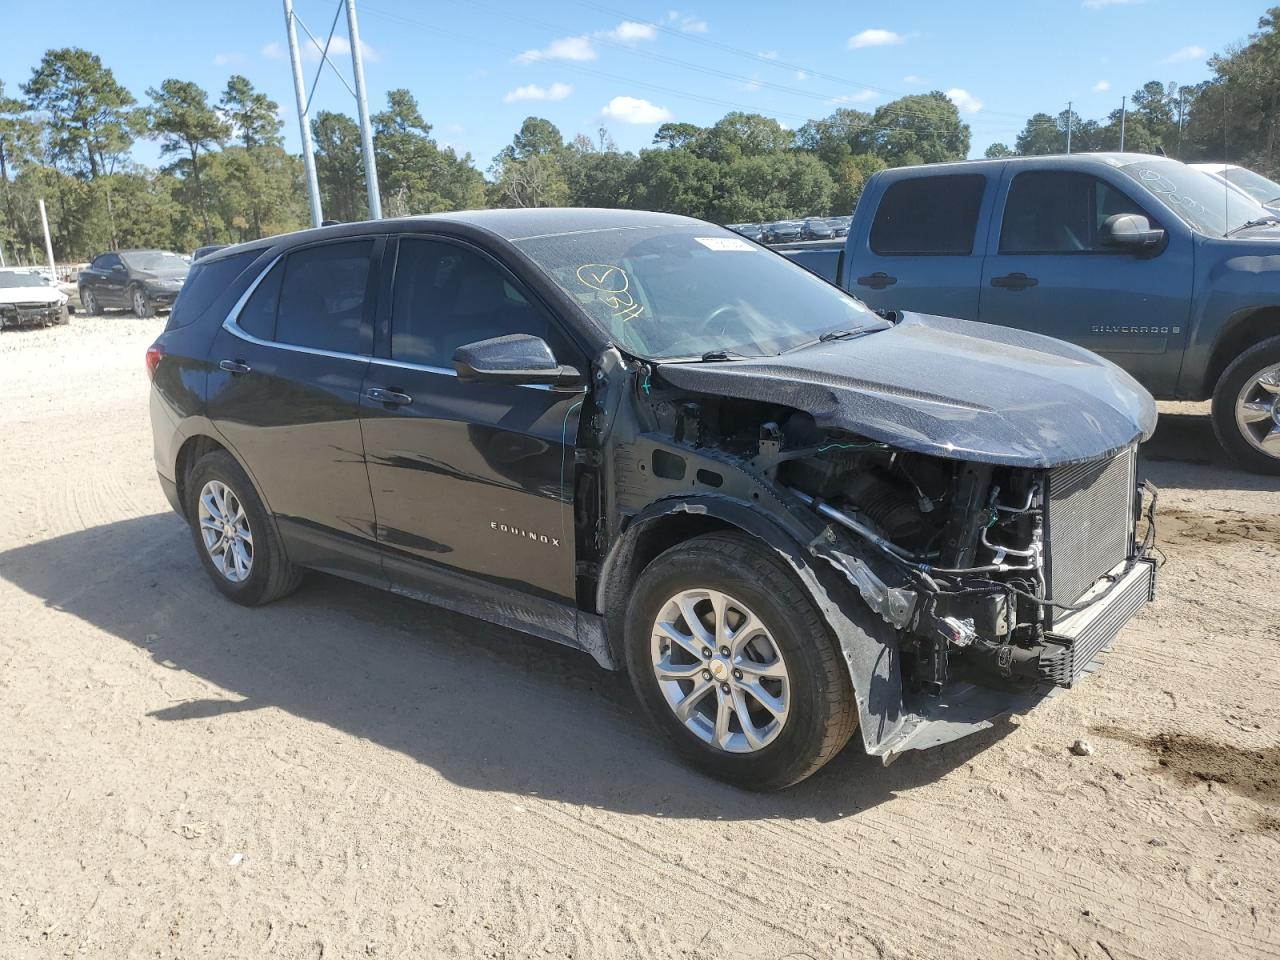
<point x="322" y="297"/>
<point x="446" y="295"/>
<point x="1059" y="212"/>
<point x="929" y="216"/>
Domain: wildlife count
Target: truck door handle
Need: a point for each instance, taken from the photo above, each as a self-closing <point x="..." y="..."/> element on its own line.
<point x="234" y="366"/>
<point x="877" y="281"/>
<point x="1014" y="281"/>
<point x="389" y="397"/>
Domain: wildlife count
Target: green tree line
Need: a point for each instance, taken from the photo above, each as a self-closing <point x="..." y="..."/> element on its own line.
<point x="68" y="131"/>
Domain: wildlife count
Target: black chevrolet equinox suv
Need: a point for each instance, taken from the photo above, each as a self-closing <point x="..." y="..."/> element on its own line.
<point x="787" y="517"/>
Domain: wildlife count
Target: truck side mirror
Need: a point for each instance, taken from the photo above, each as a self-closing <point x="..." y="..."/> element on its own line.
<point x="1131" y="231"/>
<point x="516" y="358"/>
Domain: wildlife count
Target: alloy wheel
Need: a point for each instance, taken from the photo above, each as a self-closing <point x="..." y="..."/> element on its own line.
<point x="224" y="529"/>
<point x="1258" y="411"/>
<point x="720" y="670"/>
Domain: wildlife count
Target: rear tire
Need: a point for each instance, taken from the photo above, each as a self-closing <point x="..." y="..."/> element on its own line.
<point x="232" y="505"/>
<point x="820" y="714"/>
<point x="1246" y="408"/>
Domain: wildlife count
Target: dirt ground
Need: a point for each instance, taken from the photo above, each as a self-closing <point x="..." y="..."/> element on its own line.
<point x="351" y="774"/>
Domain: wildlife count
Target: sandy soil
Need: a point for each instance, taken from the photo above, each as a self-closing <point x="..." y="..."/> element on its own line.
<point x="350" y="774"/>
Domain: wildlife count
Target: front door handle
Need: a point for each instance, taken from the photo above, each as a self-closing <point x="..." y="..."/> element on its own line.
<point x="1014" y="281"/>
<point x="389" y="397"/>
<point x="877" y="281"/>
<point x="234" y="366"/>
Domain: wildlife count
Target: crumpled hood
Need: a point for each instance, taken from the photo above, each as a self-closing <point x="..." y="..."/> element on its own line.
<point x="32" y="294"/>
<point x="949" y="388"/>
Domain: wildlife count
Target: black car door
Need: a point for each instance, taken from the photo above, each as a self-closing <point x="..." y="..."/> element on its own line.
<point x="284" y="383"/>
<point x="471" y="481"/>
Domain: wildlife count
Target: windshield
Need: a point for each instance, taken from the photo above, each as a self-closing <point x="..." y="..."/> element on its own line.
<point x="1208" y="205"/>
<point x="13" y="280"/>
<point x="678" y="292"/>
<point x="1254" y="184"/>
<point x="155" y="260"/>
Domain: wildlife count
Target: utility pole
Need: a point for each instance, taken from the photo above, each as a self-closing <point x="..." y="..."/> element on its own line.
<point x="304" y="124"/>
<point x="1122" y="111"/>
<point x="362" y="104"/>
<point x="1182" y="102"/>
<point x="1068" y="127"/>
<point x="48" y="243"/>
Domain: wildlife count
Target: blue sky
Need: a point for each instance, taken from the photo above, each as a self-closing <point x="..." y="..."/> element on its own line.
<point x="478" y="67"/>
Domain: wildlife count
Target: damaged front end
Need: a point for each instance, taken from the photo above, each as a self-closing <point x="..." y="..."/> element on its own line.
<point x="960" y="590"/>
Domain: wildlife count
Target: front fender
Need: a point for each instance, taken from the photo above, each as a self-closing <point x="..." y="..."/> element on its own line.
<point x="868" y="643"/>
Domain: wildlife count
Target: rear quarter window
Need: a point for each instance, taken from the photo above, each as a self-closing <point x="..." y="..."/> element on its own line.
<point x="204" y="283"/>
<point x="929" y="216"/>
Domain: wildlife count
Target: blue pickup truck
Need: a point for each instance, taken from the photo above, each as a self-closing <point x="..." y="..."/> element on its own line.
<point x="1159" y="268"/>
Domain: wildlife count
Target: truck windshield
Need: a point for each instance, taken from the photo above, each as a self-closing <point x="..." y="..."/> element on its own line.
<point x="684" y="292"/>
<point x="1206" y="204"/>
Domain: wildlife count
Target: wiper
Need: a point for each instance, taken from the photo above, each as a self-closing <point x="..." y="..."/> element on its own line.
<point x="838" y="335"/>
<point x="1249" y="224"/>
<point x="723" y="355"/>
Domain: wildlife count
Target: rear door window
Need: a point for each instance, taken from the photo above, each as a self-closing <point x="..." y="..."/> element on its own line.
<point x="322" y="299"/>
<point x="929" y="216"/>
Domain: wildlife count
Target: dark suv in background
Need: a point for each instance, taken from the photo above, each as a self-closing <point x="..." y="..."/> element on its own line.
<point x="646" y="437"/>
<point x="143" y="281"/>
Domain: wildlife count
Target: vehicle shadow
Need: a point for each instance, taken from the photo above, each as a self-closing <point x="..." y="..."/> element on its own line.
<point x="1184" y="452"/>
<point x="488" y="708"/>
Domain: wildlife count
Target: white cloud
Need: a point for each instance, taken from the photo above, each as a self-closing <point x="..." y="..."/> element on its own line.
<point x="874" y="37"/>
<point x="1192" y="52"/>
<point x="634" y="110"/>
<point x="629" y="31"/>
<point x="768" y="54"/>
<point x="686" y="23"/>
<point x="222" y="59"/>
<point x="912" y="79"/>
<point x="565" y="48"/>
<point x="557" y="91"/>
<point x="801" y="75"/>
<point x="752" y="84"/>
<point x="273" y="51"/>
<point x="965" y="101"/>
<point x="1102" y="86"/>
<point x="862" y="96"/>
<point x="1099" y="4"/>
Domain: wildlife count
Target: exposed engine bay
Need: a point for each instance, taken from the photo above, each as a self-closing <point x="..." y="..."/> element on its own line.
<point x="987" y="573"/>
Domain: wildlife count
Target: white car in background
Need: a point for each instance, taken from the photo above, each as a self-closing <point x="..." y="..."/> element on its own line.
<point x="1255" y="185"/>
<point x="29" y="299"/>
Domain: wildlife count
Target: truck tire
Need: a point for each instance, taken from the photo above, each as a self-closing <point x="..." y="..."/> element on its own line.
<point x="755" y="692"/>
<point x="1246" y="408"/>
<point x="235" y="538"/>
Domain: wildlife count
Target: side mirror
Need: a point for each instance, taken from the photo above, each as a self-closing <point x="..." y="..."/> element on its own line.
<point x="516" y="358"/>
<point x="117" y="268"/>
<point x="1131" y="231"/>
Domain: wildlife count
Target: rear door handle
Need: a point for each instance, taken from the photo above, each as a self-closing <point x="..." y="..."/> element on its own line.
<point x="1014" y="281"/>
<point x="877" y="281"/>
<point x="234" y="366"/>
<point x="391" y="397"/>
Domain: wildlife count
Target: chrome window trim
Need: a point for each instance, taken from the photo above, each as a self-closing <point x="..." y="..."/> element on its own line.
<point x="232" y="326"/>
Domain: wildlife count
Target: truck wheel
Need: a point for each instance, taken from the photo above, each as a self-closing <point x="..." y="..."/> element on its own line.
<point x="732" y="660"/>
<point x="1246" y="408"/>
<point x="89" y="302"/>
<point x="141" y="308"/>
<point x="234" y="536"/>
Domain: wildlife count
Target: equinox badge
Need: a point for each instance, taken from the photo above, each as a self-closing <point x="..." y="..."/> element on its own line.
<point x="525" y="534"/>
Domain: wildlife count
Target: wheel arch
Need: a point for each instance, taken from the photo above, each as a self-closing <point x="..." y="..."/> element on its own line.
<point x="193" y="448"/>
<point x="868" y="643"/>
<point x="1246" y="329"/>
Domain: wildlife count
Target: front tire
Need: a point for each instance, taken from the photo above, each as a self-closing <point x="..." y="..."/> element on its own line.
<point x="90" y="303"/>
<point x="235" y="538"/>
<point x="754" y="692"/>
<point x="1246" y="408"/>
<point x="141" y="308"/>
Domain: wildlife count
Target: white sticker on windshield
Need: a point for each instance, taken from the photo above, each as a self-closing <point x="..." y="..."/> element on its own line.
<point x="724" y="243"/>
